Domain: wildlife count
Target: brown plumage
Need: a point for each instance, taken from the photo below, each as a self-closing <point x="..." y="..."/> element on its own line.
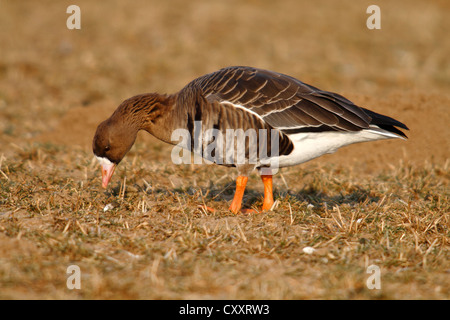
<point x="307" y="122"/>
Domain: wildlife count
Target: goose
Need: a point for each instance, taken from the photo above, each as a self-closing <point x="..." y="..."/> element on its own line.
<point x="294" y="122"/>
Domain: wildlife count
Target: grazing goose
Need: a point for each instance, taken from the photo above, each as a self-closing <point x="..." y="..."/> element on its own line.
<point x="298" y="120"/>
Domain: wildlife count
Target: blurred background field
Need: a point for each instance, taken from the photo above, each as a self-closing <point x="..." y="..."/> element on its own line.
<point x="57" y="84"/>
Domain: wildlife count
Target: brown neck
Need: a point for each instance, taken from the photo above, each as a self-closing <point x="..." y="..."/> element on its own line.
<point x="150" y="112"/>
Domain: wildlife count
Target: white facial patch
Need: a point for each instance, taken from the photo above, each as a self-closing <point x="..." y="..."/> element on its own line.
<point x="104" y="162"/>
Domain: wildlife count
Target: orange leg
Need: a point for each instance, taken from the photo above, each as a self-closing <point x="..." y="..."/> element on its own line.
<point x="236" y="204"/>
<point x="268" y="192"/>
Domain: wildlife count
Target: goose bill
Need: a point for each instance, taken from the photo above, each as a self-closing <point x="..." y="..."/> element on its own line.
<point x="107" y="168"/>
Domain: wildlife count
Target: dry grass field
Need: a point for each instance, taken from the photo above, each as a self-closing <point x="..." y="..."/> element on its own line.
<point x="383" y="203"/>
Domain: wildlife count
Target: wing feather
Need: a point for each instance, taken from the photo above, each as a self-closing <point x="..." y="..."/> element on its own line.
<point x="282" y="101"/>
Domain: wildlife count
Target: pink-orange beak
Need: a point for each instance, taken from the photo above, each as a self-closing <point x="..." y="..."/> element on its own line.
<point x="107" y="172"/>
